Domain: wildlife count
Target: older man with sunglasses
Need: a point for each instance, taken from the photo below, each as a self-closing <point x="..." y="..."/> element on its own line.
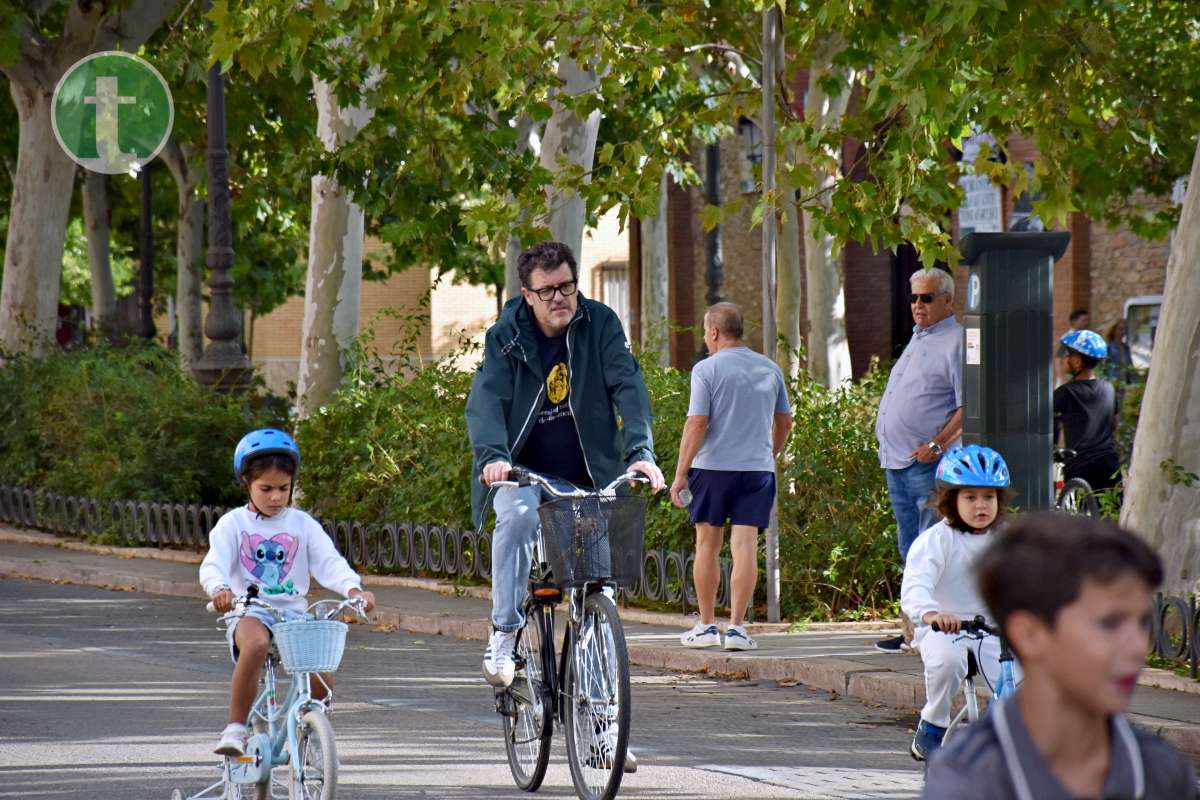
<point x="920" y="415"/>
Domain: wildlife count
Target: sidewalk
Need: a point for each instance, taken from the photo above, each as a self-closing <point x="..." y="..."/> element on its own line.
<point x="836" y="657"/>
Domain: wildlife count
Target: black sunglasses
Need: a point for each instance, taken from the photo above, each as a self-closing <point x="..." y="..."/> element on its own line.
<point x="925" y="298"/>
<point x="546" y="293"/>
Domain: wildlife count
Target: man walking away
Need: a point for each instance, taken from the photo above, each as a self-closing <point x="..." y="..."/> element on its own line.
<point x="738" y="421"/>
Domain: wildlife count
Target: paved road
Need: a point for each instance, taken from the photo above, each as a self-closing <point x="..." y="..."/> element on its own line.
<point x="115" y="695"/>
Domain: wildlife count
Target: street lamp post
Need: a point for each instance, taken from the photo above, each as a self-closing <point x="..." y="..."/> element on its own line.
<point x="770" y="50"/>
<point x="223" y="366"/>
<point x="146" y="282"/>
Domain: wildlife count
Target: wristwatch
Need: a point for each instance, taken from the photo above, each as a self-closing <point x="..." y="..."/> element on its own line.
<point x="935" y="447"/>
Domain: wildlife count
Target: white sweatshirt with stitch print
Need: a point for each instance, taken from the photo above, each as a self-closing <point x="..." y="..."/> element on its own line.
<point x="277" y="554"/>
<point x="939" y="574"/>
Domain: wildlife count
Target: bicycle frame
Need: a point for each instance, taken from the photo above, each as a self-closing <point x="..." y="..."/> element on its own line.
<point x="1005" y="683"/>
<point x="272" y="748"/>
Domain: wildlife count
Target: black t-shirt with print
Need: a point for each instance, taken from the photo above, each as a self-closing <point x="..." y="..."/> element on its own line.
<point x="553" y="447"/>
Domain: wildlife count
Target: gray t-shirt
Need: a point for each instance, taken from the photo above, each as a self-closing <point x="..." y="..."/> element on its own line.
<point x="739" y="391"/>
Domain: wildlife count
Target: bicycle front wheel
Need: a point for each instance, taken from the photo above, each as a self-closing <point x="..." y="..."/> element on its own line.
<point x="597" y="701"/>
<point x="1077" y="498"/>
<point x="316" y="751"/>
<point x="527" y="732"/>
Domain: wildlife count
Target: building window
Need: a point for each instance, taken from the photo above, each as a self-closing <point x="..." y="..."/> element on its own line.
<point x="610" y="285"/>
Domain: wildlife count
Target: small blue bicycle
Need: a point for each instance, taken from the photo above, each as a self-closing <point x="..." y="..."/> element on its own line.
<point x="294" y="736"/>
<point x="978" y="628"/>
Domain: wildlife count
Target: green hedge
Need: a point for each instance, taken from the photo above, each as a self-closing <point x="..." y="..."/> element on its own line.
<point x="393" y="445"/>
<point x="119" y="423"/>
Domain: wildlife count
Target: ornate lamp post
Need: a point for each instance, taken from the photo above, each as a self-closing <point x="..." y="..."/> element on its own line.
<point x="223" y="366"/>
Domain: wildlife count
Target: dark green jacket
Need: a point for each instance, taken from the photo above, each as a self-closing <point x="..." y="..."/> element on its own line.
<point x="606" y="380"/>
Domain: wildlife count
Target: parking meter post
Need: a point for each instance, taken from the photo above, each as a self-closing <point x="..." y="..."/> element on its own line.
<point x="1008" y="352"/>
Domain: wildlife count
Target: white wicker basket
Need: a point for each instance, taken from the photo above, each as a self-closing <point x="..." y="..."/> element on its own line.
<point x="311" y="645"/>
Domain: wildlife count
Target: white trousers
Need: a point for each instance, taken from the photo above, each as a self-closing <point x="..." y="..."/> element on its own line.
<point x="945" y="657"/>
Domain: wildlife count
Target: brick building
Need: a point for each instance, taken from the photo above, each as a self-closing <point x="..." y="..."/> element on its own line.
<point x="1101" y="268"/>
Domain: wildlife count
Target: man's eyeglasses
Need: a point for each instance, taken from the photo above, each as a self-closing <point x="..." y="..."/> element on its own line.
<point x="546" y="293"/>
<point x="925" y="297"/>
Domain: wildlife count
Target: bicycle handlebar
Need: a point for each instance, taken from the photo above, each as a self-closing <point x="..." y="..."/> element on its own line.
<point x="251" y="599"/>
<point x="973" y="627"/>
<point x="519" y="476"/>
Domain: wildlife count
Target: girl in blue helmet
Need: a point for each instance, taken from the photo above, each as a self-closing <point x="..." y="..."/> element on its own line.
<point x="939" y="581"/>
<point x="1085" y="412"/>
<point x="275" y="548"/>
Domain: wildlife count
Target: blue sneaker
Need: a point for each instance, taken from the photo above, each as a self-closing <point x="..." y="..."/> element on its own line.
<point x="928" y="739"/>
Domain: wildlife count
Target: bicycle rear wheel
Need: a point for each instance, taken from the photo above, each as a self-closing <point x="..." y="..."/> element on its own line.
<point x="597" y="701"/>
<point x="317" y="752"/>
<point x="1077" y="498"/>
<point x="528" y="730"/>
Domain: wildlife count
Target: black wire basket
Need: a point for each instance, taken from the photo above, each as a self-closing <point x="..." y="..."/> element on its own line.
<point x="594" y="539"/>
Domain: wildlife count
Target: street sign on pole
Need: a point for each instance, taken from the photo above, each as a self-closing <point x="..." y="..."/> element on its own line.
<point x="112" y="112"/>
<point x="770" y="50"/>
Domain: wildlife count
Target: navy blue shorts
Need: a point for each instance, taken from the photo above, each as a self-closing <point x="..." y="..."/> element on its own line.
<point x="742" y="498"/>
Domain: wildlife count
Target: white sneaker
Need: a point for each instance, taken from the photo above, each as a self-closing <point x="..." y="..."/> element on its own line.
<point x="233" y="740"/>
<point x="736" y="638"/>
<point x="498" y="666"/>
<point x="601" y="750"/>
<point x="701" y="635"/>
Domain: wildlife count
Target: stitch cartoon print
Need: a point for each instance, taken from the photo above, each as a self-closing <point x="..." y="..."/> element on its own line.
<point x="269" y="560"/>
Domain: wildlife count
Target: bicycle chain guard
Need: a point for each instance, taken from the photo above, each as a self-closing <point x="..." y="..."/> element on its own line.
<point x="255" y="765"/>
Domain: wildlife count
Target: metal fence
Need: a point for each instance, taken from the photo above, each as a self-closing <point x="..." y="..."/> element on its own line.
<point x="413" y="548"/>
<point x="1175" y="630"/>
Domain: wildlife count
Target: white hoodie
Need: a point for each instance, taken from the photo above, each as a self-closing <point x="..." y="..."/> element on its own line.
<point x="277" y="554"/>
<point x="939" y="574"/>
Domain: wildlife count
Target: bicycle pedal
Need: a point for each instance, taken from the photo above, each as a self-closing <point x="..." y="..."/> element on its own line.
<point x="504" y="704"/>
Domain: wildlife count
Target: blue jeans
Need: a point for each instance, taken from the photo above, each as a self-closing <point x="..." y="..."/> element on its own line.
<point x="512" y="551"/>
<point x="909" y="490"/>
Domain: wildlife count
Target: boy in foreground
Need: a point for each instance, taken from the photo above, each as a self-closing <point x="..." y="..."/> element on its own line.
<point x="1072" y="596"/>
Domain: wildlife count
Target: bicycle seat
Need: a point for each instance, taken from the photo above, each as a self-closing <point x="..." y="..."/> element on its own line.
<point x="1063" y="455"/>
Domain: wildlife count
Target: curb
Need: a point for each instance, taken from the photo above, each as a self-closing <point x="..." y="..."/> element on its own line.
<point x="16" y="536"/>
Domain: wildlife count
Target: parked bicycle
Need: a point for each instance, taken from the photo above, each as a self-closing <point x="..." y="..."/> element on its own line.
<point x="292" y="747"/>
<point x="589" y="543"/>
<point x="1074" y="495"/>
<point x="978" y="629"/>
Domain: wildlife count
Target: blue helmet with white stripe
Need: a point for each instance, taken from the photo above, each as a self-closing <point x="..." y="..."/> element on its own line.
<point x="973" y="465"/>
<point x="1086" y="343"/>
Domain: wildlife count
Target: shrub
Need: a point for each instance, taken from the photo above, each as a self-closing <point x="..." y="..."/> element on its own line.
<point x="118" y="423"/>
<point x="837" y="534"/>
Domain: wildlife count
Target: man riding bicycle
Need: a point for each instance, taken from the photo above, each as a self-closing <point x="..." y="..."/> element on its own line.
<point x="556" y="372"/>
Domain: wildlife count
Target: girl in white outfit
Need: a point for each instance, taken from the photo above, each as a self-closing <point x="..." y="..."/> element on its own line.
<point x="939" y="583"/>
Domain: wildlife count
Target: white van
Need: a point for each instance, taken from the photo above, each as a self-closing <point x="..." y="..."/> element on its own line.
<point x="1141" y="319"/>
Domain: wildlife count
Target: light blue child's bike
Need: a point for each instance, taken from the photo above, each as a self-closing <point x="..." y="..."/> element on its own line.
<point x="978" y="628"/>
<point x="291" y="751"/>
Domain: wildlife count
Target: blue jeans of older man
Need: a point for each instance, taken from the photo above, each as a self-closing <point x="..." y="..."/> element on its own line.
<point x="909" y="490"/>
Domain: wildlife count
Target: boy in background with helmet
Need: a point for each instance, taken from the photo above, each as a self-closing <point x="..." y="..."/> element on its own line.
<point x="939" y="582"/>
<point x="271" y="546"/>
<point x="1085" y="412"/>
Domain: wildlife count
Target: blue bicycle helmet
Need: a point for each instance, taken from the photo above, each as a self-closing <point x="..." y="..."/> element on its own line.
<point x="973" y="465"/>
<point x="1088" y="343"/>
<point x="263" y="442"/>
